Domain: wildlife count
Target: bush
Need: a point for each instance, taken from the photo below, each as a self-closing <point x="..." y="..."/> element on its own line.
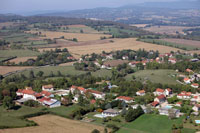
<point x="95" y="131"/>
<point x="31" y="103"/>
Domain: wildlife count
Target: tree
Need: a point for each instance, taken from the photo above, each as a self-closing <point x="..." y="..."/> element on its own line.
<point x="31" y="74"/>
<point x="172" y="114"/>
<point x="80" y="100"/>
<point x="105" y="130"/>
<point x="7" y="102"/>
<point x="40" y="74"/>
<point x="81" y="31"/>
<point x="95" y="131"/>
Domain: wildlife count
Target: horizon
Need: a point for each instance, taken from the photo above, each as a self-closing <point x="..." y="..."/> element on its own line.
<point x="28" y="7"/>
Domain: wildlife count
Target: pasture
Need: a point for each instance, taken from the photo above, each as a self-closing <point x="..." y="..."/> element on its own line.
<point x="7" y="69"/>
<point x="52" y="124"/>
<point x="18" y="53"/>
<point x="155" y="76"/>
<point x="149" y="123"/>
<point x="84" y="28"/>
<point x="21" y="59"/>
<point x="79" y="36"/>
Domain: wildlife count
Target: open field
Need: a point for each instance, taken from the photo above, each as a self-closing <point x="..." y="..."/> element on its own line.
<point x="156" y="76"/>
<point x="12" y="118"/>
<point x="21" y="59"/>
<point x="84" y="28"/>
<point x="79" y="36"/>
<point x="167" y="29"/>
<point x="18" y="53"/>
<point x="115" y="63"/>
<point x="184" y="42"/>
<point x="139" y="25"/>
<point x="149" y="123"/>
<point x="52" y="124"/>
<point x="8" y="69"/>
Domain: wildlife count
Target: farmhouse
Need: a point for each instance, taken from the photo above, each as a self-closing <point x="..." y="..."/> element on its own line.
<point x="155" y="103"/>
<point x="195" y="85"/>
<point x="184" y="95"/>
<point x="125" y="99"/>
<point x="160" y="99"/>
<point x="47" y="94"/>
<point x="159" y="92"/>
<point x="51" y="103"/>
<point x="196" y="107"/>
<point x="96" y="94"/>
<point x="110" y="113"/>
<point x="140" y="93"/>
<point x="81" y="89"/>
<point x="187" y="80"/>
<point x="47" y="87"/>
<point x="166" y="111"/>
<point x="168" y="92"/>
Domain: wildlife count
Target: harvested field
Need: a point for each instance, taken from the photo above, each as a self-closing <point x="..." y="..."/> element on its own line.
<point x="167" y="29"/>
<point x="8" y="69"/>
<point x="79" y="36"/>
<point x="195" y="51"/>
<point x="76" y="26"/>
<point x="53" y="124"/>
<point x="184" y="42"/>
<point x="114" y="63"/>
<point x="21" y="59"/>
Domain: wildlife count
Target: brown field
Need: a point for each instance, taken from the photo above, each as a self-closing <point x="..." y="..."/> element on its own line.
<point x="79" y="36"/>
<point x="76" y="26"/>
<point x="114" y="63"/>
<point x="196" y="51"/>
<point x="167" y="29"/>
<point x="67" y="64"/>
<point x="119" y="44"/>
<point x="7" y="24"/>
<point x="55" y="124"/>
<point x="21" y="59"/>
<point x="7" y="69"/>
<point x="183" y="41"/>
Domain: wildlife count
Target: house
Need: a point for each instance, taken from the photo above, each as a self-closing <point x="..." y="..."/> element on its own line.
<point x="178" y="104"/>
<point x="168" y="92"/>
<point x="47" y="94"/>
<point x="196" y="107"/>
<point x="51" y="103"/>
<point x="96" y="94"/>
<point x="159" y="92"/>
<point x="187" y="80"/>
<point x="81" y="89"/>
<point x="22" y="100"/>
<point x="61" y="92"/>
<point x="195" y="85"/>
<point x="184" y="95"/>
<point x="140" y="93"/>
<point x="166" y="111"/>
<point x="172" y="60"/>
<point x="47" y="87"/>
<point x="155" y="103"/>
<point x="29" y="94"/>
<point x="188" y="70"/>
<point x="110" y="113"/>
<point x="125" y="57"/>
<point x="142" y="106"/>
<point x="160" y="99"/>
<point x="92" y="101"/>
<point x="19" y="93"/>
<point x="125" y="99"/>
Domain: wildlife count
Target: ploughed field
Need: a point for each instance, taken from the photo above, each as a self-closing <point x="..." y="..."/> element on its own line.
<point x="52" y="124"/>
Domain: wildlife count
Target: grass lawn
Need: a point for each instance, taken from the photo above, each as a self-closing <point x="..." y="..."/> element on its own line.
<point x="12" y="118"/>
<point x="102" y="73"/>
<point x="157" y="76"/>
<point x="63" y="111"/>
<point x="149" y="123"/>
<point x="18" y="53"/>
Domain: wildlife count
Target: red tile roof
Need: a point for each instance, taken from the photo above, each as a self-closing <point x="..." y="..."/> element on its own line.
<point x="44" y="99"/>
<point x="195" y="84"/>
<point x="93" y="101"/>
<point x="37" y="95"/>
<point x="125" y="98"/>
<point x="169" y="89"/>
<point x="141" y="91"/>
<point x="81" y="89"/>
<point x="186" y="79"/>
<point x="47" y="86"/>
<point x="161" y="97"/>
<point x="19" y="90"/>
<point x="29" y="92"/>
<point x="155" y="103"/>
<point x="46" y="93"/>
<point x="159" y="90"/>
<point x="93" y="91"/>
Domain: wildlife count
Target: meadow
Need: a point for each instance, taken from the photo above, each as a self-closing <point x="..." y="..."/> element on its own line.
<point x="18" y="53"/>
<point x="155" y="76"/>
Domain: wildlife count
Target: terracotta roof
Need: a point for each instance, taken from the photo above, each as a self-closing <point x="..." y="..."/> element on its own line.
<point x="186" y="79"/>
<point x="28" y="88"/>
<point x="93" y="91"/>
<point x="169" y="89"/>
<point x="159" y="90"/>
<point x="125" y="98"/>
<point x="155" y="103"/>
<point x="93" y="101"/>
<point x="47" y="86"/>
<point x="44" y="99"/>
<point x="197" y="105"/>
<point x="188" y="70"/>
<point x="161" y="97"/>
<point x="46" y="93"/>
<point x="29" y="92"/>
<point x="141" y="91"/>
<point x="81" y="88"/>
<point x="37" y="95"/>
<point x="195" y="84"/>
<point x="179" y="103"/>
<point x="19" y="90"/>
<point x="73" y="86"/>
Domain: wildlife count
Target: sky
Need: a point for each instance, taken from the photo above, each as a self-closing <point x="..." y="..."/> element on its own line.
<point x="24" y="6"/>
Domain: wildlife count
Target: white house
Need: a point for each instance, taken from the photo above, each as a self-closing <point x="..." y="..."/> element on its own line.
<point x="47" y="87"/>
<point x="110" y="113"/>
<point x="184" y="95"/>
<point x="96" y="94"/>
<point x="140" y="93"/>
<point x="51" y="103"/>
<point x="159" y="92"/>
<point x="187" y="80"/>
<point x="172" y="60"/>
<point x="196" y="107"/>
<point x="125" y="99"/>
<point x="160" y="99"/>
<point x="168" y="92"/>
<point x="195" y="85"/>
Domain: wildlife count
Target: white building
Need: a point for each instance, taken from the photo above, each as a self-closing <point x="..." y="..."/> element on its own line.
<point x="110" y="113"/>
<point x="47" y="88"/>
<point x="140" y="93"/>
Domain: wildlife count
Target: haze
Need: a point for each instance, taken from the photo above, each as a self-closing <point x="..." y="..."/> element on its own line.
<point x="25" y="6"/>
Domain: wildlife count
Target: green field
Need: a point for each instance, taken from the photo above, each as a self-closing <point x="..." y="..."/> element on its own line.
<point x="162" y="42"/>
<point x="85" y="30"/>
<point x="155" y="76"/>
<point x="12" y="118"/>
<point x="18" y="53"/>
<point x="149" y="123"/>
<point x="102" y="73"/>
